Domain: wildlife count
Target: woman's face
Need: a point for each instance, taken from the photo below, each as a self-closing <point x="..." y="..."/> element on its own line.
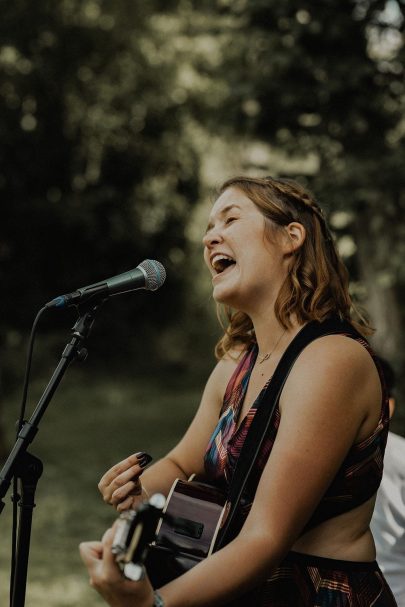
<point x="247" y="269"/>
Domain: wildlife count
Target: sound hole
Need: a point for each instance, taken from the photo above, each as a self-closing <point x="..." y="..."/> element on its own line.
<point x="184" y="526"/>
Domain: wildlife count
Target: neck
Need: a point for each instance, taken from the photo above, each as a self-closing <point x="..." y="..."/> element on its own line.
<point x="270" y="333"/>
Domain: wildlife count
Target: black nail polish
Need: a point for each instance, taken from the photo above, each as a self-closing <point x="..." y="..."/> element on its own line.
<point x="144" y="460"/>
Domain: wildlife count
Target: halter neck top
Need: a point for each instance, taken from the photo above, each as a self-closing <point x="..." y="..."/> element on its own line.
<point x="357" y="479"/>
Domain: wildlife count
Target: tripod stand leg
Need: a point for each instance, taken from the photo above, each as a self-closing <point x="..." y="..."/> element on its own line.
<point x="28" y="470"/>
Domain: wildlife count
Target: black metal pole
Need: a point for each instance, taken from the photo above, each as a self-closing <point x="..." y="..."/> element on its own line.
<point x="30" y="470"/>
<point x="27" y="467"/>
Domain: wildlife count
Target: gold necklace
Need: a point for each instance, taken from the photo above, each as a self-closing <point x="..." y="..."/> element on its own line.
<point x="267" y="356"/>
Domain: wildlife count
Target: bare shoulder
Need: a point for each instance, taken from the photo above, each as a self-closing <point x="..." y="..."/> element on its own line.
<point x="335" y="356"/>
<point x="336" y="372"/>
<point x="223" y="371"/>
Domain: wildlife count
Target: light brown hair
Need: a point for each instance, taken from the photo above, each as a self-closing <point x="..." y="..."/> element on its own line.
<point x="317" y="285"/>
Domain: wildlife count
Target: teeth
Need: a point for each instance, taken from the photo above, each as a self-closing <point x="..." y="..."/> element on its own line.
<point x="217" y="259"/>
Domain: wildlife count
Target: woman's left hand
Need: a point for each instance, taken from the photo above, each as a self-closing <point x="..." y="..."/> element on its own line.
<point x="107" y="579"/>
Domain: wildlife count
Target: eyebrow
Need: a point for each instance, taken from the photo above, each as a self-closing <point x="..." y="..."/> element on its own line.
<point x="224" y="211"/>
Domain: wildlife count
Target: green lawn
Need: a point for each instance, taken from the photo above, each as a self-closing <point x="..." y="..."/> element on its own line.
<point x="92" y="423"/>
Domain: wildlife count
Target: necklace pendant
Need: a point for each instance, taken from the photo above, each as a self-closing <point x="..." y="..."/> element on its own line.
<point x="267" y="356"/>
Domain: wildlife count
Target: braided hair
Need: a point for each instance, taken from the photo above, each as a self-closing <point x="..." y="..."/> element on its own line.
<point x="317" y="284"/>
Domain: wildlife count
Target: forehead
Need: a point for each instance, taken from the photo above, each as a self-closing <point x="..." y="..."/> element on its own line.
<point x="231" y="199"/>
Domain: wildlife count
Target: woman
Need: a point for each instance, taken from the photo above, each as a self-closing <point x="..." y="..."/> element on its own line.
<point x="306" y="539"/>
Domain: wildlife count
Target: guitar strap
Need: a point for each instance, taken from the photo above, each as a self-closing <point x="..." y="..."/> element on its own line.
<point x="261" y="423"/>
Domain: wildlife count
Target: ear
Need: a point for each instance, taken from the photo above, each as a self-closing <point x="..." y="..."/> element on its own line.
<point x="296" y="235"/>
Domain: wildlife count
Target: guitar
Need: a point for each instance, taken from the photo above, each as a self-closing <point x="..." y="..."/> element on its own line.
<point x="170" y="536"/>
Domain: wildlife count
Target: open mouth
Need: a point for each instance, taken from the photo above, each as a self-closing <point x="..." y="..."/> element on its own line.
<point x="221" y="262"/>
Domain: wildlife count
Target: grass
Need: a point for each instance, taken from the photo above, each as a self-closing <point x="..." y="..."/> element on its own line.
<point x="92" y="423"/>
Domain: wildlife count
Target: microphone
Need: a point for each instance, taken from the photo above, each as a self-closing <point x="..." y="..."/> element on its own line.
<point x="149" y="275"/>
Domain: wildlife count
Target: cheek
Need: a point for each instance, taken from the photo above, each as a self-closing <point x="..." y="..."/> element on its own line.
<point x="206" y="258"/>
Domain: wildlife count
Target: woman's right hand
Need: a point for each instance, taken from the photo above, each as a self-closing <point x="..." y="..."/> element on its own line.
<point x="121" y="486"/>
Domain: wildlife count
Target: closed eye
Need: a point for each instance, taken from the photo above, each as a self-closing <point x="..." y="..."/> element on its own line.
<point x="230" y="220"/>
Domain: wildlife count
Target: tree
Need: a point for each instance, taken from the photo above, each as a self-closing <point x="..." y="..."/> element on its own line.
<point x="95" y="163"/>
<point x="97" y="167"/>
<point x="325" y="81"/>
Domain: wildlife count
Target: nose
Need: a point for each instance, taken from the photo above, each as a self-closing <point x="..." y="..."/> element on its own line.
<point x="212" y="237"/>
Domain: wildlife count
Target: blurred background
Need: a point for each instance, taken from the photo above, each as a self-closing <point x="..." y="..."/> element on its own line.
<point x="118" y="120"/>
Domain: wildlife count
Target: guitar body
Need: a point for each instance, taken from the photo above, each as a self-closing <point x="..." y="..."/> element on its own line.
<point x="195" y="512"/>
<point x="189" y="522"/>
<point x="186" y="534"/>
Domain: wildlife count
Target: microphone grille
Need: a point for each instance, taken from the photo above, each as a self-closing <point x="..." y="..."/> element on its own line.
<point x="155" y="274"/>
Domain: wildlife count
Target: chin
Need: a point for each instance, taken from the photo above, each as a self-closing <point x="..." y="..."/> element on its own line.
<point x="227" y="297"/>
<point x="222" y="296"/>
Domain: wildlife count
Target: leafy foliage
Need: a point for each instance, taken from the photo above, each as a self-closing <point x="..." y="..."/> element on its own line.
<point x="111" y="111"/>
<point x="96" y="169"/>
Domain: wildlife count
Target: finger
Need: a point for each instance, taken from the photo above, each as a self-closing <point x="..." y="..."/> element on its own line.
<point x="134" y="471"/>
<point x="108" y="537"/>
<point x="130" y="502"/>
<point x="132" y="475"/>
<point x="90" y="553"/>
<point x="117" y="469"/>
<point x="133" y="487"/>
<point x="100" y="561"/>
<point x="108" y="557"/>
<point x="127" y="504"/>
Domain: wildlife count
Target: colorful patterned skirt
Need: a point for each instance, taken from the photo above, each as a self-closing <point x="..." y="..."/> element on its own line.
<point x="303" y="580"/>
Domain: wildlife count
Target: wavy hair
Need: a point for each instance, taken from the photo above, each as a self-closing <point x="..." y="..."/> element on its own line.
<point x="317" y="284"/>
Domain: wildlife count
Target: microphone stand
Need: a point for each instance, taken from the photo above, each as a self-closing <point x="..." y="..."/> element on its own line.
<point x="28" y="468"/>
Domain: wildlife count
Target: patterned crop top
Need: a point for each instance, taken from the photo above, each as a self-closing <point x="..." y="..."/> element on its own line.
<point x="357" y="479"/>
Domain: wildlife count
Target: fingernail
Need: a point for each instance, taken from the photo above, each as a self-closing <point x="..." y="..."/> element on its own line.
<point x="145" y="460"/>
